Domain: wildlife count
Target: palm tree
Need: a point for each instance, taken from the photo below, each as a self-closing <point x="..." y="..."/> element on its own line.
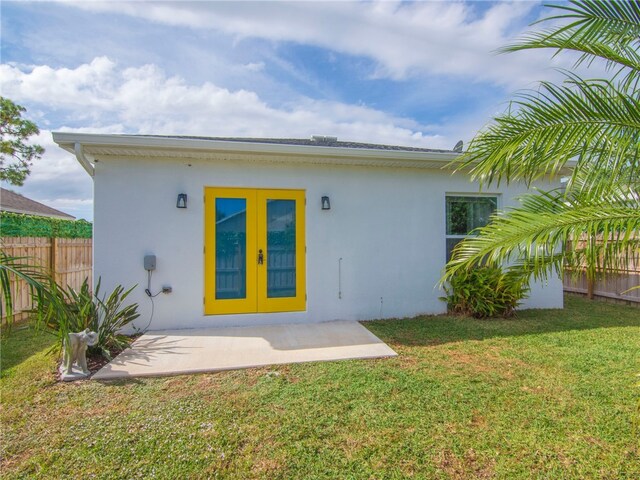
<point x="14" y="269"/>
<point x="592" y="128"/>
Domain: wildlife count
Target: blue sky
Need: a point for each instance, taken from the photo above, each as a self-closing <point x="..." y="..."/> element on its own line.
<point x="405" y="73"/>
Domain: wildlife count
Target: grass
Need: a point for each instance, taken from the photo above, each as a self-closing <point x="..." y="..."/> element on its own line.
<point x="550" y="394"/>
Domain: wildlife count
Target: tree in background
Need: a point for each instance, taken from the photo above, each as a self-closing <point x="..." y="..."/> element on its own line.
<point x="16" y="155"/>
<point x="592" y="124"/>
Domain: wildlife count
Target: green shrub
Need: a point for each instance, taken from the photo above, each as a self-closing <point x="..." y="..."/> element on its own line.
<point x="21" y="225"/>
<point x="73" y="311"/>
<point x="484" y="292"/>
<point x="112" y="317"/>
<point x="35" y="277"/>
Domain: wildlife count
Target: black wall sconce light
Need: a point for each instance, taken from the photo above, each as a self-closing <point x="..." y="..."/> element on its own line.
<point x="182" y="200"/>
<point x="326" y="204"/>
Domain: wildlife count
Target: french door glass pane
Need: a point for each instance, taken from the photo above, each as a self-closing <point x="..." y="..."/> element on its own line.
<point x="231" y="248"/>
<point x="281" y="248"/>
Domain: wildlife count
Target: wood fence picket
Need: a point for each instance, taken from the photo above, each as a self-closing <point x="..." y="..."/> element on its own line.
<point x="70" y="261"/>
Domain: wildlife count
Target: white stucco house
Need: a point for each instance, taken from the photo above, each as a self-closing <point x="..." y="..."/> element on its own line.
<point x="261" y="231"/>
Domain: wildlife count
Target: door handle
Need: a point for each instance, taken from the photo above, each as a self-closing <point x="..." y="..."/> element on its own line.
<point x="260" y="257"/>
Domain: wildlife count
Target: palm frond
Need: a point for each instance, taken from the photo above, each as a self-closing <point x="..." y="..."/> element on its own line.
<point x="591" y="179"/>
<point x="603" y="236"/>
<point x="14" y="269"/>
<point x="591" y="127"/>
<point x="591" y="122"/>
<point x="598" y="30"/>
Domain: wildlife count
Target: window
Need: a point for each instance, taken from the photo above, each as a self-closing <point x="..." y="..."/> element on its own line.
<point x="465" y="214"/>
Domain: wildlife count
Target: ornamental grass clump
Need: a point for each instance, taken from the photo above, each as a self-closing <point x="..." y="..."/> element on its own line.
<point x="484" y="292"/>
<point x="74" y="311"/>
<point x="62" y="311"/>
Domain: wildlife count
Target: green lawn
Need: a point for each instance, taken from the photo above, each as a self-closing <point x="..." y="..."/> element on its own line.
<point x="550" y="394"/>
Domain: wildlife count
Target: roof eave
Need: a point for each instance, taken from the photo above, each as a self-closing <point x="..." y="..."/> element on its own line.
<point x="67" y="141"/>
<point x="126" y="144"/>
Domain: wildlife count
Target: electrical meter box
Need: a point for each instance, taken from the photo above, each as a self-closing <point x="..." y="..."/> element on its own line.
<point x="149" y="262"/>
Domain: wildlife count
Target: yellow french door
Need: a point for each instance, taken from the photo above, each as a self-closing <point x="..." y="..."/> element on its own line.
<point x="280" y="237"/>
<point x="254" y="256"/>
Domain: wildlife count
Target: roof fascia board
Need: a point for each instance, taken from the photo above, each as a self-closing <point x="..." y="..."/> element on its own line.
<point x="68" y="141"/>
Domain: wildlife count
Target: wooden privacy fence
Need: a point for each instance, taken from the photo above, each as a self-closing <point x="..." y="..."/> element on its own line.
<point x="618" y="286"/>
<point x="623" y="283"/>
<point x="69" y="260"/>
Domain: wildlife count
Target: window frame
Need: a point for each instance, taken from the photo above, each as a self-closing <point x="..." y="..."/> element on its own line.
<point x="496" y="196"/>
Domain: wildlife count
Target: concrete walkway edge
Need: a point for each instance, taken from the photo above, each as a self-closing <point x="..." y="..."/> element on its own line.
<point x="176" y="352"/>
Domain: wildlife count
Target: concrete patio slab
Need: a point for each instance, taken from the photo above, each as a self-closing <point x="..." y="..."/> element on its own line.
<point x="174" y="352"/>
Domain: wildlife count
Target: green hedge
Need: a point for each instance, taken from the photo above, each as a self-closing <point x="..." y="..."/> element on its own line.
<point x="21" y="225"/>
<point x="485" y="292"/>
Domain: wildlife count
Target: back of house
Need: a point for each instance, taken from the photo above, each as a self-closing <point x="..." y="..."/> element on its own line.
<point x="259" y="231"/>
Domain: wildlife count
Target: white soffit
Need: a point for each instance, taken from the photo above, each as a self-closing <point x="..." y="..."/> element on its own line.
<point x="102" y="147"/>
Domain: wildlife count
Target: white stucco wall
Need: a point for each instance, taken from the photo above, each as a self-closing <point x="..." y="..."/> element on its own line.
<point x="387" y="225"/>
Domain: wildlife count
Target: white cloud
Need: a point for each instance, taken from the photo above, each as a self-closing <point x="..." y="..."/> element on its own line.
<point x="448" y="38"/>
<point x="145" y="100"/>
<point x="79" y="88"/>
<point x="254" y="66"/>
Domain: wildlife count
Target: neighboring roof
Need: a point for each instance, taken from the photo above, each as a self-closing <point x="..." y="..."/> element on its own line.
<point x="14" y="202"/>
<point x="318" y="150"/>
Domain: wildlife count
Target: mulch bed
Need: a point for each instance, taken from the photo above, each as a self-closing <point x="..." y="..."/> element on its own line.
<point x="95" y="361"/>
